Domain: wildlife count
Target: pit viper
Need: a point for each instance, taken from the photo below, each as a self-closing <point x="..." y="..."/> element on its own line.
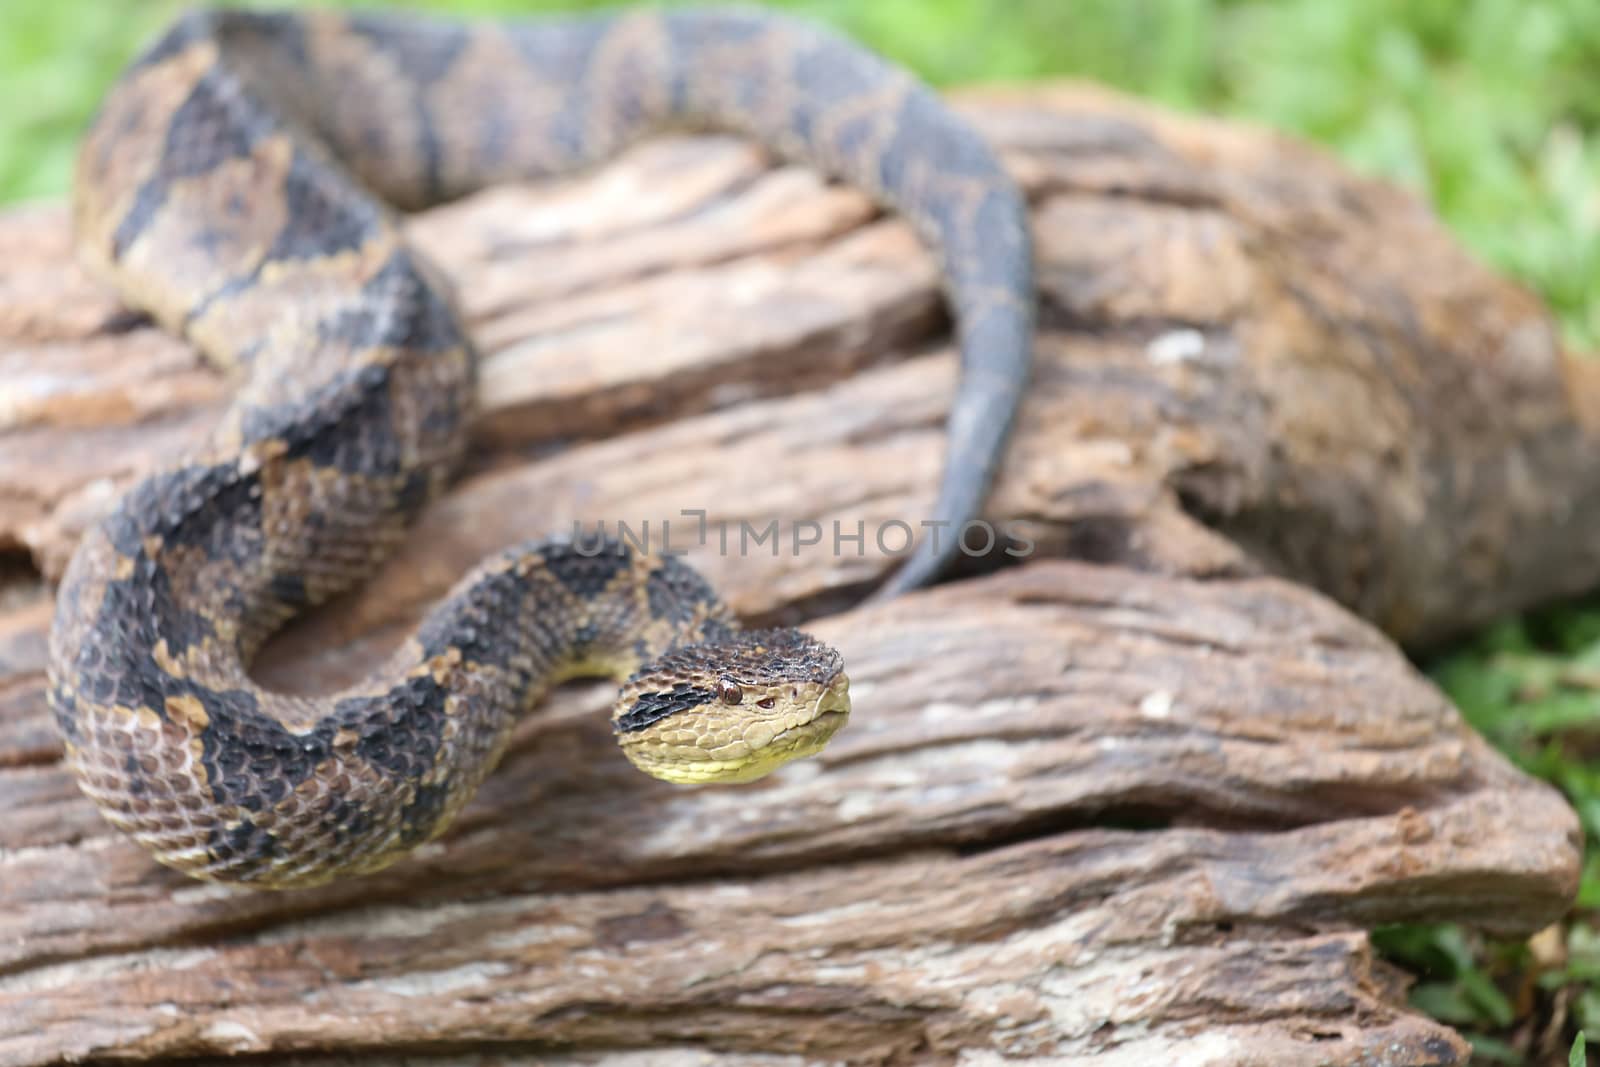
<point x="242" y="184"/>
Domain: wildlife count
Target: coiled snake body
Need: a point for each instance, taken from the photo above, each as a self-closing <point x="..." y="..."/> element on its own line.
<point x="238" y="184"/>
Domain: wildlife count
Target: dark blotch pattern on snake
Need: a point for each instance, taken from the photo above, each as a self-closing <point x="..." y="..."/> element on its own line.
<point x="239" y="184"/>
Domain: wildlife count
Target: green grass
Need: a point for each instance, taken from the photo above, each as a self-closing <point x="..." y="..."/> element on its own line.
<point x="1532" y="687"/>
<point x="1486" y="107"/>
<point x="1490" y="109"/>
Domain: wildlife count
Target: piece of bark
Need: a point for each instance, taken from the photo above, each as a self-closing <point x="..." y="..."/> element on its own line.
<point x="1081" y="811"/>
<point x="1113" y="814"/>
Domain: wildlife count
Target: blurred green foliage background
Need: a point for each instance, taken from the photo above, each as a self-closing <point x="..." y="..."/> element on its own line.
<point x="1489" y="109"/>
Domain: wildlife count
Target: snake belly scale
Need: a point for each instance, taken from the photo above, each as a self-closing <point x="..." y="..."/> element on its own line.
<point x="240" y="184"/>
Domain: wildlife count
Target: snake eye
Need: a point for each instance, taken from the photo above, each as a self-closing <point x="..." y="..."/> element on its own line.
<point x="730" y="691"/>
<point x="767" y="703"/>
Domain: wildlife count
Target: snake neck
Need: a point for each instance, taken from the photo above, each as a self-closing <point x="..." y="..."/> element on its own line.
<point x="231" y="782"/>
<point x="551" y="611"/>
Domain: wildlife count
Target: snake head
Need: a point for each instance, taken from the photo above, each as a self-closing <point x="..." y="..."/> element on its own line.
<point x="732" y="710"/>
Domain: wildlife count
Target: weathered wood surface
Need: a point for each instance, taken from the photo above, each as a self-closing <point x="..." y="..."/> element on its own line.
<point x="1125" y="811"/>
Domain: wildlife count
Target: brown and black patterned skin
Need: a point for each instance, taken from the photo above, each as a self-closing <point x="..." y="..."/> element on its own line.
<point x="240" y="184"/>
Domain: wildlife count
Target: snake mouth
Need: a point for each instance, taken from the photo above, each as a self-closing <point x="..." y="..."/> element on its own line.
<point x="797" y="742"/>
<point x="821" y="726"/>
<point x="831" y="712"/>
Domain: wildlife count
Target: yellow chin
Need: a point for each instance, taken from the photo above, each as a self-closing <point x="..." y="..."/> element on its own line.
<point x="697" y="767"/>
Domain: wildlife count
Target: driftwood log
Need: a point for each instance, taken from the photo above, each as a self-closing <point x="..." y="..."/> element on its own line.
<point x="1132" y="800"/>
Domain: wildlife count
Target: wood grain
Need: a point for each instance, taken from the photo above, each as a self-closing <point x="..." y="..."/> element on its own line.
<point x="1130" y="799"/>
